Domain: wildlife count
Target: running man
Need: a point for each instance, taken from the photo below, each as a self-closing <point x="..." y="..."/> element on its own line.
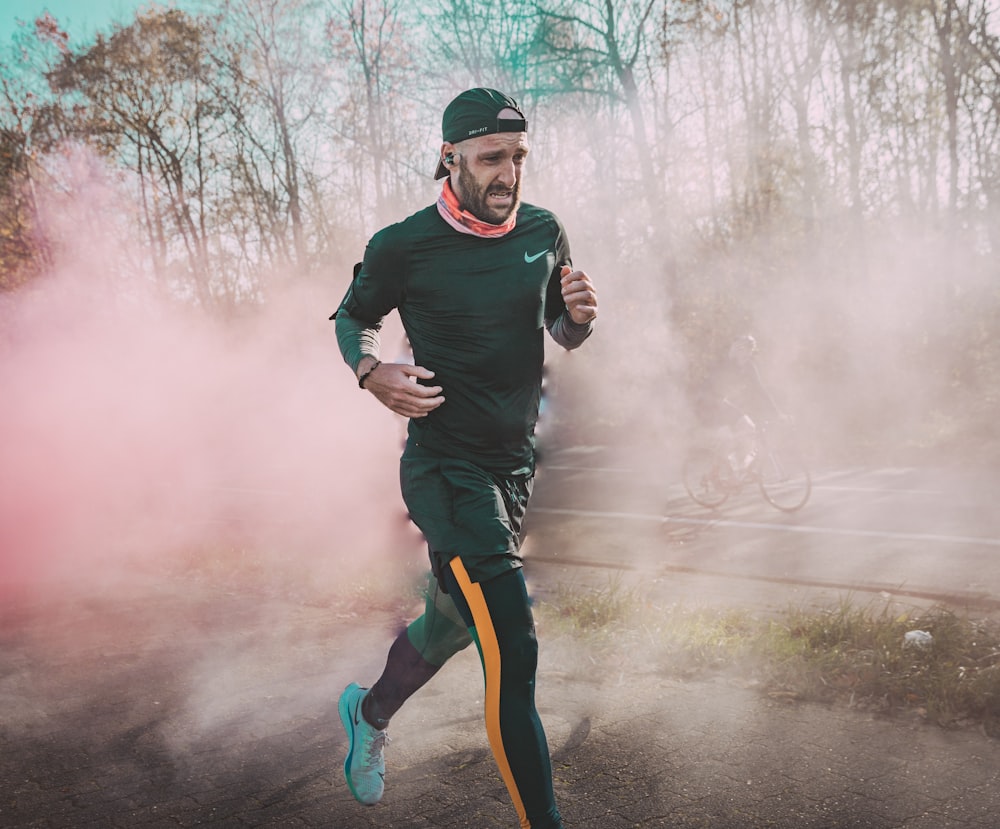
<point x="476" y="279"/>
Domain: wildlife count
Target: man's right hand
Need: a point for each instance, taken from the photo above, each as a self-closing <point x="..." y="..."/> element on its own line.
<point x="395" y="386"/>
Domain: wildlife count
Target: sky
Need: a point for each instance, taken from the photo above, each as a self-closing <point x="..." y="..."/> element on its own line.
<point x="80" y="19"/>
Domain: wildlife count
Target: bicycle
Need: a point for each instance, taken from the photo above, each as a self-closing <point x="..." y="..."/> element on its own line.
<point x="778" y="469"/>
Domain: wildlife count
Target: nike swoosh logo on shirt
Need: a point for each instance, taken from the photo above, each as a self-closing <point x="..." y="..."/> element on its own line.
<point x="529" y="259"/>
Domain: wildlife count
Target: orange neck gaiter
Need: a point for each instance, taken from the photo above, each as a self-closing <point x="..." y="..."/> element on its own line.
<point x="464" y="222"/>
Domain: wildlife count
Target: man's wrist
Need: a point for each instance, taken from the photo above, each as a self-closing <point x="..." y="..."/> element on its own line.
<point x="366" y="366"/>
<point x="365" y="363"/>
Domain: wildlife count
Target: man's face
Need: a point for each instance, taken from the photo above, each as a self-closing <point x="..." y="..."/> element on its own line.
<point x="488" y="183"/>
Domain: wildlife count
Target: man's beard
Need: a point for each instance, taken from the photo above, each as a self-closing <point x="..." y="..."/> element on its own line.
<point x="474" y="197"/>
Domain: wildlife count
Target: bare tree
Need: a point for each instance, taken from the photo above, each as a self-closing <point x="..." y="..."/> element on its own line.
<point x="271" y="81"/>
<point x="945" y="18"/>
<point x="802" y="41"/>
<point x="604" y="43"/>
<point x="487" y="43"/>
<point x="372" y="43"/>
<point x="28" y="122"/>
<point x="145" y="107"/>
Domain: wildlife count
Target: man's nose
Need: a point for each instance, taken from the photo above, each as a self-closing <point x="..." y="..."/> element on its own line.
<point x="508" y="173"/>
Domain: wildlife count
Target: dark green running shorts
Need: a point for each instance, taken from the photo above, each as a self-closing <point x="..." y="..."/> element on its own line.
<point x="465" y="510"/>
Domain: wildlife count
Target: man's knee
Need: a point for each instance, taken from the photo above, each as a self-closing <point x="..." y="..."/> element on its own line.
<point x="520" y="656"/>
<point x="440" y="632"/>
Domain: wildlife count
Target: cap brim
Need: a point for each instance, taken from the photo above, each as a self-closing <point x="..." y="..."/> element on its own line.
<point x="441" y="170"/>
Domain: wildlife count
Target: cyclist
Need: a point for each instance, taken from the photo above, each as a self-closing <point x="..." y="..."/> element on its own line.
<point x="741" y="402"/>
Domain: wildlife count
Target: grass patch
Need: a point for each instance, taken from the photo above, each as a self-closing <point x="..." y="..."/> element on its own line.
<point x="852" y="654"/>
<point x="596" y="613"/>
<point x="861" y="655"/>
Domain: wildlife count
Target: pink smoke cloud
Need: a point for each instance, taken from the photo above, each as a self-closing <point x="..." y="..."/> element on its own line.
<point x="132" y="427"/>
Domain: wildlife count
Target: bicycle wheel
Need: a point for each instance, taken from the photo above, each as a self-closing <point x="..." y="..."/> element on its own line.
<point x="702" y="477"/>
<point x="784" y="479"/>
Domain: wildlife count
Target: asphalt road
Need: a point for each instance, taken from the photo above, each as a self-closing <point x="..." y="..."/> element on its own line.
<point x="205" y="695"/>
<point x="924" y="535"/>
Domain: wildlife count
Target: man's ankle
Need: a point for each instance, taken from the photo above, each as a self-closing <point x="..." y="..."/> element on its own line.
<point x="369" y="715"/>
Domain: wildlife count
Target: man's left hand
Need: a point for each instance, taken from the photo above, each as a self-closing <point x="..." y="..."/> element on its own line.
<point x="579" y="295"/>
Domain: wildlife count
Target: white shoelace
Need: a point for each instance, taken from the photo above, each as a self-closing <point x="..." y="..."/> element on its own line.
<point x="375" y="746"/>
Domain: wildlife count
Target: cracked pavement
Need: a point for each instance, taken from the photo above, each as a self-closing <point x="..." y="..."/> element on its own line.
<point x="189" y="705"/>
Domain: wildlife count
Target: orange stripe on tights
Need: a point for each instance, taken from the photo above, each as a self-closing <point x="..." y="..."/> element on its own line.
<point x="489" y="652"/>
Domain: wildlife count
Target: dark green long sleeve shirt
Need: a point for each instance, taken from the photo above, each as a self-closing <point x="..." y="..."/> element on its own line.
<point x="474" y="310"/>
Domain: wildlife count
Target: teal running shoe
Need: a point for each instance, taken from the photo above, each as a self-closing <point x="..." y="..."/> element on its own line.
<point x="364" y="767"/>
